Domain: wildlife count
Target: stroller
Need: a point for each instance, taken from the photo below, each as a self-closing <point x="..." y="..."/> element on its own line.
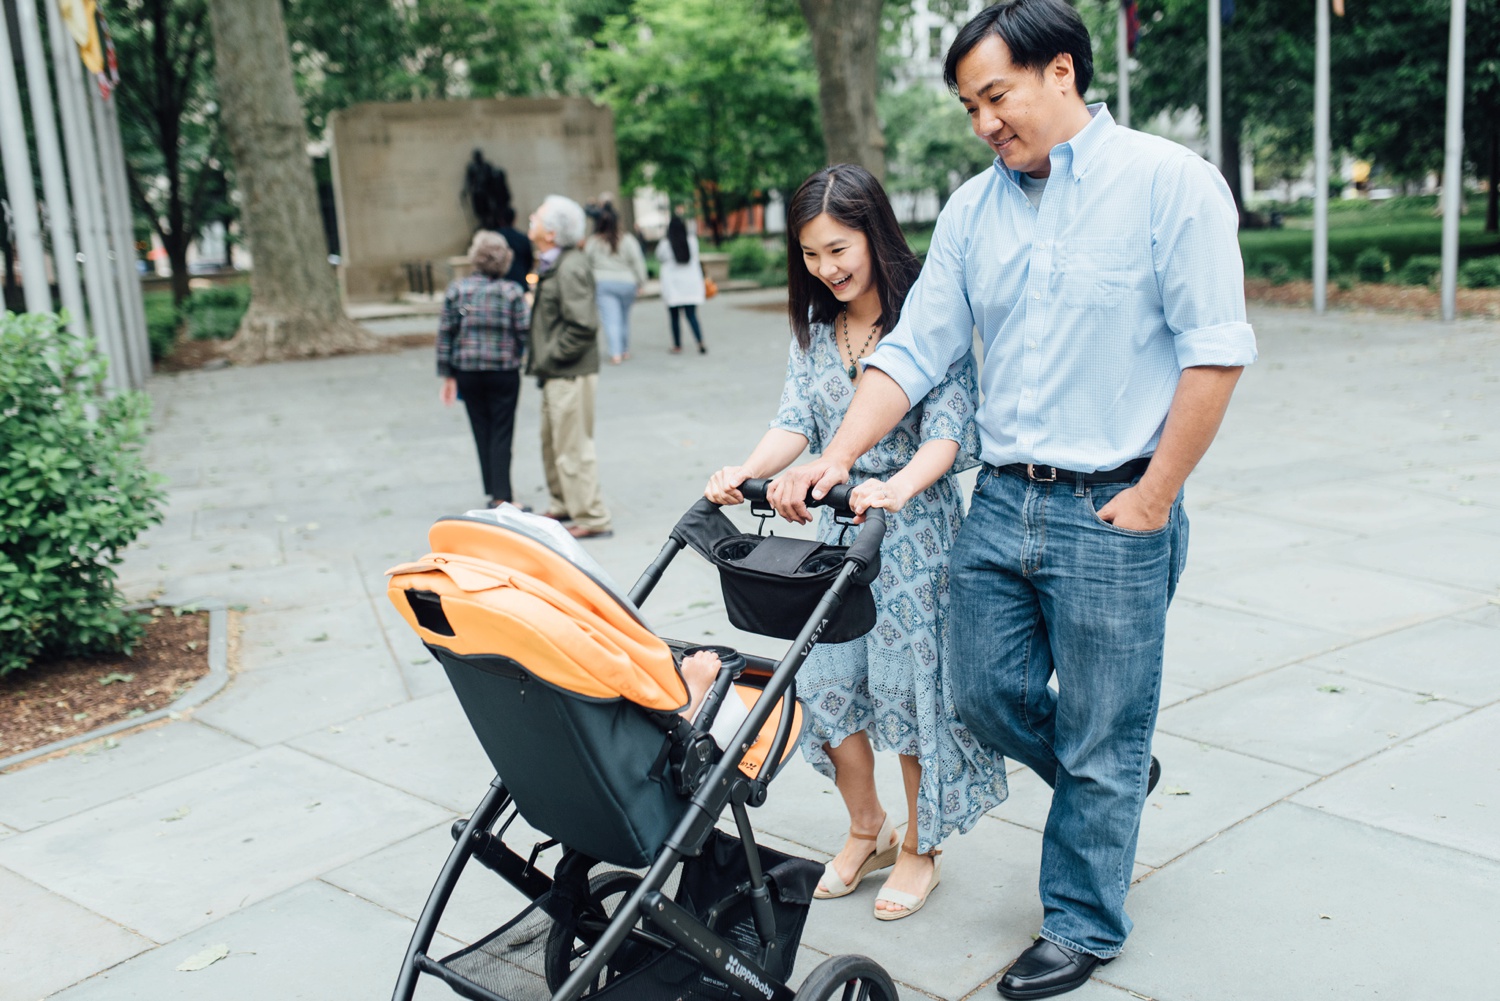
<point x="576" y="703"/>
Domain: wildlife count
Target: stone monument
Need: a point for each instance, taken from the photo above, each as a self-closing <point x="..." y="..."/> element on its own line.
<point x="400" y="174"/>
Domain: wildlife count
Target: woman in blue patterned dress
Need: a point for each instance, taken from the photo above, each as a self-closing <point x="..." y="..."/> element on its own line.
<point x="887" y="690"/>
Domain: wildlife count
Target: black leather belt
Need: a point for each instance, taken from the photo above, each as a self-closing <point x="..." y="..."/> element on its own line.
<point x="1126" y="473"/>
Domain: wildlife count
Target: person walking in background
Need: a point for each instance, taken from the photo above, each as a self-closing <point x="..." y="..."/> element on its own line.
<point x="565" y="359"/>
<point x="681" y="281"/>
<point x="619" y="268"/>
<point x="524" y="260"/>
<point x="481" y="338"/>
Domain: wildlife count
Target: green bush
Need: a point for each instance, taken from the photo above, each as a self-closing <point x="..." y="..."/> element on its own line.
<point x="214" y="313"/>
<point x="1372" y="265"/>
<point x="1274" y="268"/>
<point x="162" y="320"/>
<point x="74" y="491"/>
<point x="1481" y="272"/>
<point x="1420" y="269"/>
<point x="774" y="273"/>
<point x="747" y="257"/>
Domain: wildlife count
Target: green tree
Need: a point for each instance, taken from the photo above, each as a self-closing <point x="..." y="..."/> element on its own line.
<point x="712" y="100"/>
<point x="169" y="126"/>
<point x="1396" y="117"/>
<point x="1267" y="71"/>
<point x="346" y="52"/>
<point x="929" y="144"/>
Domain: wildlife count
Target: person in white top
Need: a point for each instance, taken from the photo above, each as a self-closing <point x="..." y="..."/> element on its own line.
<point x="681" y="281"/>
<point x="619" y="272"/>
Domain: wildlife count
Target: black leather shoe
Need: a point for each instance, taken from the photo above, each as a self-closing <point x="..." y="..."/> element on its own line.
<point x="1153" y="776"/>
<point x="1046" y="970"/>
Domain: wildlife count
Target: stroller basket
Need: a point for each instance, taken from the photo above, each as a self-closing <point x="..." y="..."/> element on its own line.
<point x="528" y="958"/>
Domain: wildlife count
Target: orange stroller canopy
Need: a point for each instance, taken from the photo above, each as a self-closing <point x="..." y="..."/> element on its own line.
<point x="500" y="592"/>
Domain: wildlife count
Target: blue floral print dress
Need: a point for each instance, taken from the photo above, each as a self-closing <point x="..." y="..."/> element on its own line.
<point x="891" y="682"/>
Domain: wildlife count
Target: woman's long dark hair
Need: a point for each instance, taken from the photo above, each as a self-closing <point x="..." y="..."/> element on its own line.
<point x="852" y="197"/>
<point x="607" y="225"/>
<point x="677" y="237"/>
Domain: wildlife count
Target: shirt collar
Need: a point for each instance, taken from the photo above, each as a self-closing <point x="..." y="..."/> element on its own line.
<point x="548" y="258"/>
<point x="1075" y="154"/>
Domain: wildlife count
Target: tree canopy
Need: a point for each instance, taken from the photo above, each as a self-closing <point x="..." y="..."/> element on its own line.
<point x="712" y="100"/>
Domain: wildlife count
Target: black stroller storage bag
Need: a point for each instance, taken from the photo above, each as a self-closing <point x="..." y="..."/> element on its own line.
<point x="772" y="584"/>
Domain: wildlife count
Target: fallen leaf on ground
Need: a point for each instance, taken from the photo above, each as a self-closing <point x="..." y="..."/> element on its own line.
<point x="204" y="959"/>
<point x="1325" y="917"/>
<point x="1331" y="689"/>
<point x="114" y="676"/>
<point x="182" y="811"/>
<point x="1175" y="791"/>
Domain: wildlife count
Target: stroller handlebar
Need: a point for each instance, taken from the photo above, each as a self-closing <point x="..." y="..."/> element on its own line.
<point x="838" y="497"/>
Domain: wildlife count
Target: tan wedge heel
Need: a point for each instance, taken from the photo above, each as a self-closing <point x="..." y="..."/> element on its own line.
<point x="879" y="858"/>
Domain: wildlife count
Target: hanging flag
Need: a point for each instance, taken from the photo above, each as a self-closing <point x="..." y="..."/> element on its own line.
<point x="1132" y="25"/>
<point x="1226" y="11"/>
<point x="108" y="76"/>
<point x="78" y="15"/>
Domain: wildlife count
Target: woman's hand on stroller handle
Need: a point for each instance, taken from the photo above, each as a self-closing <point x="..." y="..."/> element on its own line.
<point x="723" y="486"/>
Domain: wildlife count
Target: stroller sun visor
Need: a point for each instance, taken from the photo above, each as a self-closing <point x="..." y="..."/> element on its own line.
<point x="487" y="590"/>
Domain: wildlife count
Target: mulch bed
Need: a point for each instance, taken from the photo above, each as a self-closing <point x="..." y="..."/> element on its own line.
<point x="54" y="700"/>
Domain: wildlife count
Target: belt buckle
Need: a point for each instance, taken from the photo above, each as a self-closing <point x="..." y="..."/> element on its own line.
<point x="1031" y="473"/>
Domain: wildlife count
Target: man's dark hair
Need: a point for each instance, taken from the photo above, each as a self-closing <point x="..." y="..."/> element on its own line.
<point x="851" y="195"/>
<point x="1035" y="31"/>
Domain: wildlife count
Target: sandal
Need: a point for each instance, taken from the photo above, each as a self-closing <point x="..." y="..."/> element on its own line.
<point x="879" y="858"/>
<point x="909" y="903"/>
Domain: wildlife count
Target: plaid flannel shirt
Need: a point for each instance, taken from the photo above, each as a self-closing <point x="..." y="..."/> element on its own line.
<point x="484" y="326"/>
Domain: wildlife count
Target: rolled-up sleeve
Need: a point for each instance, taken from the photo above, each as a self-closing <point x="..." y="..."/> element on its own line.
<point x="1196" y="252"/>
<point x="936" y="328"/>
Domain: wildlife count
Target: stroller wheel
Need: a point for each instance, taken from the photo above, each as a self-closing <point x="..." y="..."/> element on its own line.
<point x="847" y="977"/>
<point x="570" y="939"/>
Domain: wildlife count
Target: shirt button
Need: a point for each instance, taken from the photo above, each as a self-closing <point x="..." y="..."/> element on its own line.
<point x="1036" y="295"/>
<point x="1026" y="393"/>
<point x="1031" y="345"/>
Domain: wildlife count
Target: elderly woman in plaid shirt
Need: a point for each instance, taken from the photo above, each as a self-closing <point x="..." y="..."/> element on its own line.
<point x="481" y="338"/>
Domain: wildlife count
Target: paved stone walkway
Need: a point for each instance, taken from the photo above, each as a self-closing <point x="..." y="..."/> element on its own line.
<point x="1328" y="825"/>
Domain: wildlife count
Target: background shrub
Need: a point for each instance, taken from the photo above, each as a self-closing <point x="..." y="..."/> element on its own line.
<point x="1372" y="265"/>
<point x="1482" y="272"/>
<point x="1420" y="269"/>
<point x="214" y="313"/>
<point x="1274" y="268"/>
<point x="74" y="491"/>
<point x="747" y="257"/>
<point x="162" y="320"/>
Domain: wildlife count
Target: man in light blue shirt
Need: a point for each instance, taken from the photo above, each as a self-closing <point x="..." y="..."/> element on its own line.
<point x="1102" y="271"/>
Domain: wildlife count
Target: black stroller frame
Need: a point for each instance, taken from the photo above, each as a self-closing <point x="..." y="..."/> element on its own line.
<point x="647" y="920"/>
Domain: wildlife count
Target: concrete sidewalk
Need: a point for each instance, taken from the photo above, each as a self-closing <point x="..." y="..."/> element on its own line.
<point x="1328" y="823"/>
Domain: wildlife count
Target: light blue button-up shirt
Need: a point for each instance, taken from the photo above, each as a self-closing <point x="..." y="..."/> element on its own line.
<point x="1089" y="305"/>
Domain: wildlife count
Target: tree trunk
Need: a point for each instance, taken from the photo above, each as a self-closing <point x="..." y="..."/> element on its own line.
<point x="295" y="309"/>
<point x="846" y="47"/>
<point x="1231" y="171"/>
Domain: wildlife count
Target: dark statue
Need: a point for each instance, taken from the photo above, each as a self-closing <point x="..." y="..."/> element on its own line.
<point x="487" y="193"/>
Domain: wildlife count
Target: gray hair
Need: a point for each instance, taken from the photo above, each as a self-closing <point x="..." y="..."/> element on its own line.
<point x="490" y="253"/>
<point x="565" y="218"/>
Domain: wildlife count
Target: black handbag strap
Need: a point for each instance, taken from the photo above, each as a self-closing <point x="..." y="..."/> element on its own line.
<point x="779" y="555"/>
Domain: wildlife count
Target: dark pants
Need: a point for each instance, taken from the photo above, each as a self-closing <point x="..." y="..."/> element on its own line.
<point x="490" y="398"/>
<point x="692" y="318"/>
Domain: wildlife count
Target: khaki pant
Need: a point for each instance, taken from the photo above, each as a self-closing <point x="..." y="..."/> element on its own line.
<point x="568" y="456"/>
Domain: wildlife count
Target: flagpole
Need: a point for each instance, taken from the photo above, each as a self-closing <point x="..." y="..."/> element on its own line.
<point x="1215" y="86"/>
<point x="1122" y="60"/>
<point x="18" y="183"/>
<point x="1320" y="153"/>
<point x="1453" y="162"/>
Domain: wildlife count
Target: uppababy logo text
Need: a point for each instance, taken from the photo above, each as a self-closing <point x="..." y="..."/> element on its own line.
<point x="738" y="969"/>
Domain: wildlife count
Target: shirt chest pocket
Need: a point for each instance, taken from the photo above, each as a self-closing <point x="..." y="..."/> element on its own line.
<point x="1096" y="274"/>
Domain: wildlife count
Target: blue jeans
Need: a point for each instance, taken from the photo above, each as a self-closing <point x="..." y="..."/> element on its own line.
<point x="1041" y="587"/>
<point x="615" y="299"/>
